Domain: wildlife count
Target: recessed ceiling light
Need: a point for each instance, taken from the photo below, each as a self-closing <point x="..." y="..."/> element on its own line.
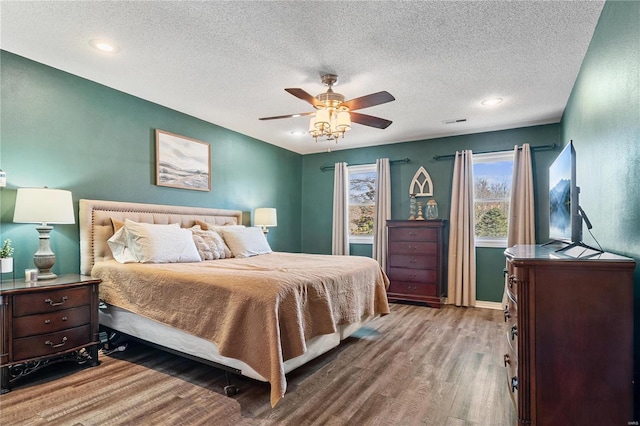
<point x="491" y="102"/>
<point x="104" y="46"/>
<point x="297" y="133"/>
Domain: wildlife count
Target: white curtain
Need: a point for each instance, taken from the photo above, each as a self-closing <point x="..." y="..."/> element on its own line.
<point x="462" y="255"/>
<point x="340" y="238"/>
<point x="521" y="208"/>
<point x="382" y="211"/>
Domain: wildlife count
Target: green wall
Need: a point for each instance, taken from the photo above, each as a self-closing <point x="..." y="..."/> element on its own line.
<point x="603" y="119"/>
<point x="317" y="186"/>
<point x="62" y="131"/>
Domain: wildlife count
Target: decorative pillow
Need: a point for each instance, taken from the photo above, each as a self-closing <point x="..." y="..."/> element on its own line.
<point x="215" y="242"/>
<point x="116" y="224"/>
<point x="151" y="243"/>
<point x="210" y="227"/>
<point x="246" y="242"/>
<point x="203" y="248"/>
<point x="118" y="245"/>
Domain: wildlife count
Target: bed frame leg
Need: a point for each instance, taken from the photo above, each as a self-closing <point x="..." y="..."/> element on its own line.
<point x="230" y="389"/>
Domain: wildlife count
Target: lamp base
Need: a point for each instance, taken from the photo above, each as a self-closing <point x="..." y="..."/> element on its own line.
<point x="44" y="259"/>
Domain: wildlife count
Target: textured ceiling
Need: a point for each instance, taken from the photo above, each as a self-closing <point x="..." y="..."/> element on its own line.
<point x="228" y="62"/>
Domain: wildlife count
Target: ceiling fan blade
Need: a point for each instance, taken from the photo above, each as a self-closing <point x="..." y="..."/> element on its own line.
<point x="305" y="96"/>
<point x="369" y="100"/>
<point x="277" y="117"/>
<point x="369" y="120"/>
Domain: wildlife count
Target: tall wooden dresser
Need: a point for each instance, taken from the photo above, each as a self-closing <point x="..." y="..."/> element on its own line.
<point x="415" y="261"/>
<point x="569" y="356"/>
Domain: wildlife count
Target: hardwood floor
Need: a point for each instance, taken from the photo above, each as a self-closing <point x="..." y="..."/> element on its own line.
<point x="416" y="366"/>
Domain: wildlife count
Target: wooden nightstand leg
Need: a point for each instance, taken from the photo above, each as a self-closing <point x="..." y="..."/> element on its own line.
<point x="93" y="352"/>
<point x="4" y="380"/>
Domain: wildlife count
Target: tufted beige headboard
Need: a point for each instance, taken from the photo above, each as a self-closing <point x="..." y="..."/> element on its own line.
<point x="96" y="227"/>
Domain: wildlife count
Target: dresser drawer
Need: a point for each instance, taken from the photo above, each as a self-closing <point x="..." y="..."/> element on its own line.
<point x="413" y="261"/>
<point x="49" y="301"/>
<point x="408" y="247"/>
<point x="412" y="275"/>
<point x="413" y="234"/>
<point x="51" y="343"/>
<point x="31" y="325"/>
<point x="412" y="288"/>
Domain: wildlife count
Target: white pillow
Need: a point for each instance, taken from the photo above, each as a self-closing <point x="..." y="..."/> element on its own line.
<point x="118" y="245"/>
<point x="246" y="242"/>
<point x="151" y="243"/>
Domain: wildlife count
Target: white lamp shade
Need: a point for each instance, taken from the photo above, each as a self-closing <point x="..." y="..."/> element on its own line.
<point x="344" y="121"/>
<point x="265" y="216"/>
<point x="43" y="205"/>
<point x="322" y="119"/>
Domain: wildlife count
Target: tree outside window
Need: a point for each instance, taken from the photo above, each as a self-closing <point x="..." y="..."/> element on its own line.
<point x="362" y="190"/>
<point x="492" y="175"/>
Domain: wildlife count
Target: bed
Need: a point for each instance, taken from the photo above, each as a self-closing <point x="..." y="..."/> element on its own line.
<point x="261" y="316"/>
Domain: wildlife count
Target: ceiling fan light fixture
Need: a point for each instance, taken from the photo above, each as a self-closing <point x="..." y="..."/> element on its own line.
<point x="333" y="115"/>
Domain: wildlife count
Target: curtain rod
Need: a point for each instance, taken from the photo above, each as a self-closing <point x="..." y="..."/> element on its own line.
<point x="535" y="148"/>
<point x="404" y="160"/>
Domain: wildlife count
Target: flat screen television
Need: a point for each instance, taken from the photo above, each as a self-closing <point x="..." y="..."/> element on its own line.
<point x="565" y="222"/>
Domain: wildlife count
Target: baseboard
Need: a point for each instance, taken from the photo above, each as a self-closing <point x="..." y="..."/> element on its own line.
<point x="481" y="304"/>
<point x="489" y="305"/>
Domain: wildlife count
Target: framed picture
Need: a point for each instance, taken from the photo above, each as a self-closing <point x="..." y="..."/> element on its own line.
<point x="182" y="162"/>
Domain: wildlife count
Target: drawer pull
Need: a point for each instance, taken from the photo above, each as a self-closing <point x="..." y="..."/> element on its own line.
<point x="52" y="303"/>
<point x="507" y="314"/>
<point x="514" y="384"/>
<point x="412" y="287"/>
<point x="47" y="321"/>
<point x="514" y="331"/>
<point x="50" y="343"/>
<point x="507" y="360"/>
<point x="413" y="234"/>
<point x="64" y="318"/>
<point x="413" y="261"/>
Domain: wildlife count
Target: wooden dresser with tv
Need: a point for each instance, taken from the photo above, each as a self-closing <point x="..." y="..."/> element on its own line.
<point x="569" y="323"/>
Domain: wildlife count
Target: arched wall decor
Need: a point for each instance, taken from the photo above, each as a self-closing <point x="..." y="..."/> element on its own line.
<point x="421" y="180"/>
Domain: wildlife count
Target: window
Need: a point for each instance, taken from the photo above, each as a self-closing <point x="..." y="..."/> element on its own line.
<point x="362" y="191"/>
<point x="491" y="195"/>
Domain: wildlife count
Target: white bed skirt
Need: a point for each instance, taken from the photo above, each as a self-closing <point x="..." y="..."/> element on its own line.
<point x="160" y="334"/>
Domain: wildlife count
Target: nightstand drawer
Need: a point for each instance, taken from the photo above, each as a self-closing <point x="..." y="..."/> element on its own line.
<point x="407" y="247"/>
<point x="49" y="301"/>
<point x="47" y="344"/>
<point x="31" y="325"/>
<point x="413" y="234"/>
<point x="412" y="275"/>
<point x="413" y="261"/>
<point x="414" y="289"/>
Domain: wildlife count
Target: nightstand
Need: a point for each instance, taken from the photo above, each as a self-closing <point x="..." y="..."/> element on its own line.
<point x="46" y="322"/>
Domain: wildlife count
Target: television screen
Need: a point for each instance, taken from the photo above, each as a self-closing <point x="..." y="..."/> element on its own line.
<point x="562" y="194"/>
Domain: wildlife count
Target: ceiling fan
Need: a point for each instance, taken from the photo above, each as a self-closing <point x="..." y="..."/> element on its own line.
<point x="333" y="115"/>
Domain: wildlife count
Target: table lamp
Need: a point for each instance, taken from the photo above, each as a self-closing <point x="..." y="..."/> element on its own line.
<point x="45" y="206"/>
<point x="265" y="217"/>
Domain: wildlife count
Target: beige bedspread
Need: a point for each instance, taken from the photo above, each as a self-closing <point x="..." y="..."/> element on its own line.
<point x="259" y="310"/>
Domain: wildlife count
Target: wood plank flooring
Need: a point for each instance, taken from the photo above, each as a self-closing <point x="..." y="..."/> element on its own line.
<point x="416" y="366"/>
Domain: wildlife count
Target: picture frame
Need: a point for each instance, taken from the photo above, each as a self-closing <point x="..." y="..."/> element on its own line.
<point x="182" y="162"/>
